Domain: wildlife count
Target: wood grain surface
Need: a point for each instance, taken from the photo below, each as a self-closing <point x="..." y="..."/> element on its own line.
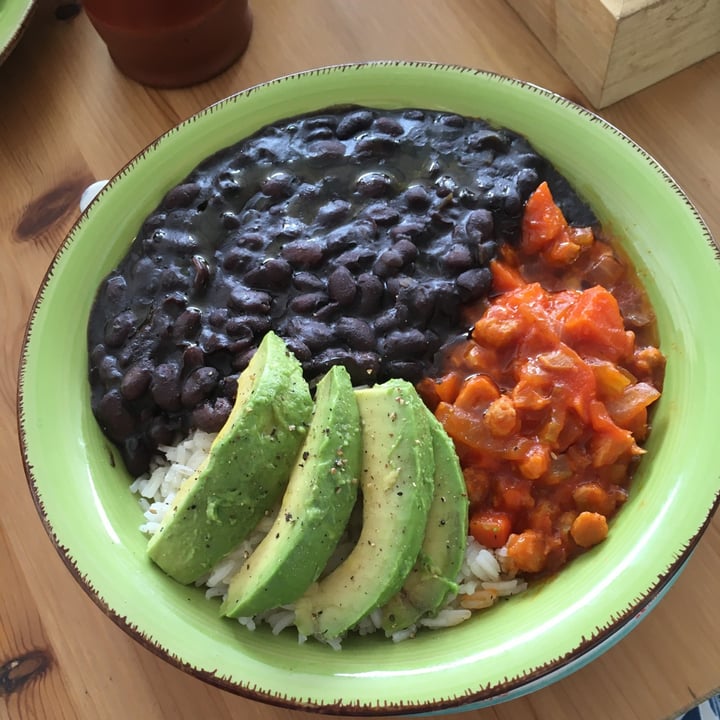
<point x="67" y="117"/>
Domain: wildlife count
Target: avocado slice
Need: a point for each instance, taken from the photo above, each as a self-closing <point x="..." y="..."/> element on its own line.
<point x="443" y="550"/>
<point x="315" y="509"/>
<point x="396" y="482"/>
<point x="246" y="470"/>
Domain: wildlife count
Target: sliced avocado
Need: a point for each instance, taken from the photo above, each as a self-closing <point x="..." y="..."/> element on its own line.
<point x="438" y="564"/>
<point x="315" y="509"/>
<point x="396" y="482"/>
<point x="246" y="470"/>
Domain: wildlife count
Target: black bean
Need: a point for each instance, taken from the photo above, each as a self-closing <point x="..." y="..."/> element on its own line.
<point x="172" y="278"/>
<point x="445" y="185"/>
<point x="353" y="123"/>
<point x="321" y="133"/>
<point x="240" y="361"/>
<point x="181" y="196"/>
<point x="408" y="230"/>
<point x="376" y="146"/>
<point x="474" y="284"/>
<point x="332" y="213"/>
<point x="442" y="220"/>
<point x="227" y="387"/>
<point x="404" y="344"/>
<point x="356" y="333"/>
<point x="213" y="342"/>
<point x="304" y="253"/>
<point x="411" y="370"/>
<point x="116" y="290"/>
<point x="162" y="432"/>
<point x="272" y="274"/>
<point x="381" y="214"/>
<point x="320" y="121"/>
<point x="119" y="328"/>
<point x="417" y="198"/>
<point x="375" y="185"/>
<point x="388" y="263"/>
<point x="230" y="221"/>
<point x="114" y="416"/>
<point x="341" y="286"/>
<point x="192" y="357"/>
<point x="452" y="120"/>
<point x="165" y="386"/>
<point x="187" y="324"/>
<point x="446" y="298"/>
<point x="512" y="203"/>
<point x="173" y="304"/>
<point x="414" y="114"/>
<point x="135" y="382"/>
<point x="395" y="317"/>
<point x="327" y="313"/>
<point x="389" y="126"/>
<point x="406" y="249"/>
<point x="526" y="181"/>
<point x="316" y="335"/>
<point x="244" y="299"/>
<point x="278" y="186"/>
<point x="229" y="185"/>
<point x="259" y="324"/>
<point x="301" y="351"/>
<point x="305" y="281"/>
<point x="485" y="252"/>
<point x="458" y="258"/>
<point x="308" y="303"/>
<point x="211" y="416"/>
<point x="236" y="347"/>
<point x="238" y="330"/>
<point x="217" y="317"/>
<point x="125" y="356"/>
<point x="198" y="386"/>
<point x="479" y="225"/>
<point x="488" y="140"/>
<point x="370" y="290"/>
<point x="323" y="152"/>
<point x="362" y="366"/>
<point x="358" y="233"/>
<point x="290" y="229"/>
<point x="108" y="370"/>
<point x="420" y="302"/>
<point x="356" y="259"/>
<point x="237" y="259"/>
<point x="250" y="240"/>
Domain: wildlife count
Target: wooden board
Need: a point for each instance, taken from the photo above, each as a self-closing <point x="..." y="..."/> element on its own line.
<point x="613" y="48"/>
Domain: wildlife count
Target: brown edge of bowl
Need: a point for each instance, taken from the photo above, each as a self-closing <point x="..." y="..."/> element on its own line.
<point x="472" y="696"/>
<point x="19" y="30"/>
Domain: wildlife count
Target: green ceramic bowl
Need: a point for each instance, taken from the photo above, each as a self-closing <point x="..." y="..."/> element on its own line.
<point x="14" y="17"/>
<point x="81" y="489"/>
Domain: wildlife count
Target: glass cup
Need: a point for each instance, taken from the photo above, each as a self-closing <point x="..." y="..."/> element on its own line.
<point x="172" y="43"/>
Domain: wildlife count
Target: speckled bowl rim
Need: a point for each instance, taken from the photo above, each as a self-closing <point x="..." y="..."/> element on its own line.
<point x="476" y="694"/>
<point x="14" y="25"/>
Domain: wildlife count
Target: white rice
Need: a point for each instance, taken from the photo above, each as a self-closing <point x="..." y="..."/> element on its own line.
<point x="484" y="577"/>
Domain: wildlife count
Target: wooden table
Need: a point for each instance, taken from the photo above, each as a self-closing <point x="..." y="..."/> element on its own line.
<point x="67" y="118"/>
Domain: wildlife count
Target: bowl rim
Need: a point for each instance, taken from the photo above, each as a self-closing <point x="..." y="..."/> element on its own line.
<point x="601" y="639"/>
<point x="12" y="28"/>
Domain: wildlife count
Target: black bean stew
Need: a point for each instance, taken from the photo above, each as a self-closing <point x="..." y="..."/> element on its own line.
<point x="356" y="234"/>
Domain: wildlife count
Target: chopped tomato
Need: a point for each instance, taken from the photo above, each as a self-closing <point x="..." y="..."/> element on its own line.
<point x="543" y="220"/>
<point x="547" y="400"/>
<point x="490" y="528"/>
